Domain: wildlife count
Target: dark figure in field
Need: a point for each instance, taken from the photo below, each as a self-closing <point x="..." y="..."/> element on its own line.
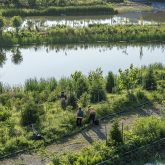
<point x="80" y="115"/>
<point x="63" y="100"/>
<point x="92" y="115"/>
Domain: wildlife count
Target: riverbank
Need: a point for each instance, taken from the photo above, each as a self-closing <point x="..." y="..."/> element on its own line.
<point x="92" y="34"/>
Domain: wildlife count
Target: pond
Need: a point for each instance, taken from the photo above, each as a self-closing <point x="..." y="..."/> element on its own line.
<point x="18" y="64"/>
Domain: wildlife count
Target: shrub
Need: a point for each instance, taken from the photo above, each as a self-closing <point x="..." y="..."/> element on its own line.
<point x="2" y="24"/>
<point x="150" y="80"/>
<point x="4" y="113"/>
<point x="80" y="83"/>
<point x="115" y="134"/>
<point x="16" y="22"/>
<point x="31" y="113"/>
<point x="110" y="84"/>
<point x="72" y="100"/>
<point x="84" y="100"/>
<point x="97" y="86"/>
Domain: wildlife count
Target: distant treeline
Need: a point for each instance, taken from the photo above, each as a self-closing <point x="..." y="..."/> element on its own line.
<point x="58" y="11"/>
<point x="47" y="3"/>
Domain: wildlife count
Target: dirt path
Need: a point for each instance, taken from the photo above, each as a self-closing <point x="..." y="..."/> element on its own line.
<point x="77" y="142"/>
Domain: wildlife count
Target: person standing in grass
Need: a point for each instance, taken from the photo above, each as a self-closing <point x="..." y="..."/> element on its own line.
<point x="92" y="115"/>
<point x="80" y="115"/>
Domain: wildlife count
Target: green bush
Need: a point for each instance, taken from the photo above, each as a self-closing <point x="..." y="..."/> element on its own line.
<point x="31" y="112"/>
<point x="110" y="84"/>
<point x="115" y="134"/>
<point x="150" y="80"/>
<point x="97" y="86"/>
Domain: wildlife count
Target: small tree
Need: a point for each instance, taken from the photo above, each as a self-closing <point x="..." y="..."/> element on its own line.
<point x="116" y="134"/>
<point x="16" y="22"/>
<point x="110" y="82"/>
<point x="31" y="113"/>
<point x="97" y="86"/>
<point x="2" y="24"/>
<point x="150" y="80"/>
<point x="80" y="83"/>
<point x="72" y="100"/>
<point x="84" y="100"/>
<point x="128" y="78"/>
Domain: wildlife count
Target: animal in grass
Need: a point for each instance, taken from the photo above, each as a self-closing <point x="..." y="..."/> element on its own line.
<point x="92" y="115"/>
<point x="80" y="115"/>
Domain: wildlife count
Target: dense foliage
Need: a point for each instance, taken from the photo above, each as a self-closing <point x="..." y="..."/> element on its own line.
<point x="38" y="103"/>
<point x="46" y="3"/>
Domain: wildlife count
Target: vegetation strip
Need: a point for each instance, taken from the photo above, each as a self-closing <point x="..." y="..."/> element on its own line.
<point x="92" y="34"/>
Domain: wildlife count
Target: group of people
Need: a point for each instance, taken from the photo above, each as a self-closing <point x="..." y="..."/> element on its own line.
<point x="80" y="112"/>
<point x="91" y="115"/>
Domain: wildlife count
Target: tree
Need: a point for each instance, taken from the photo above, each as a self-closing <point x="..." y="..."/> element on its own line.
<point x="150" y="80"/>
<point x="16" y="22"/>
<point x="31" y="113"/>
<point x="80" y="83"/>
<point x="110" y="82"/>
<point x="2" y="24"/>
<point x="128" y="78"/>
<point x="97" y="86"/>
<point x="116" y="134"/>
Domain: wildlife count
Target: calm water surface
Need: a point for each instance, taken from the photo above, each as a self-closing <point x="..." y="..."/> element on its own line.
<point x="19" y="64"/>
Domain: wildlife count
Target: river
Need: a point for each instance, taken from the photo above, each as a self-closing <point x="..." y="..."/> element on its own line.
<point x="18" y="64"/>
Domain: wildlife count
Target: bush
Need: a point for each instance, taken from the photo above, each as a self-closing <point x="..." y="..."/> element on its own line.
<point x="115" y="134"/>
<point x="150" y="80"/>
<point x="84" y="100"/>
<point x="97" y="86"/>
<point x="72" y="101"/>
<point x="110" y="84"/>
<point x="31" y="113"/>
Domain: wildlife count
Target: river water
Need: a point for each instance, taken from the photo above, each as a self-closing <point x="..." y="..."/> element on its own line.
<point x="19" y="64"/>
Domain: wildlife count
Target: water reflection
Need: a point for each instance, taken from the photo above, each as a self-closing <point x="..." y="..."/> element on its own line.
<point x="21" y="63"/>
<point x="2" y="57"/>
<point x="16" y="56"/>
<point x="131" y="17"/>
